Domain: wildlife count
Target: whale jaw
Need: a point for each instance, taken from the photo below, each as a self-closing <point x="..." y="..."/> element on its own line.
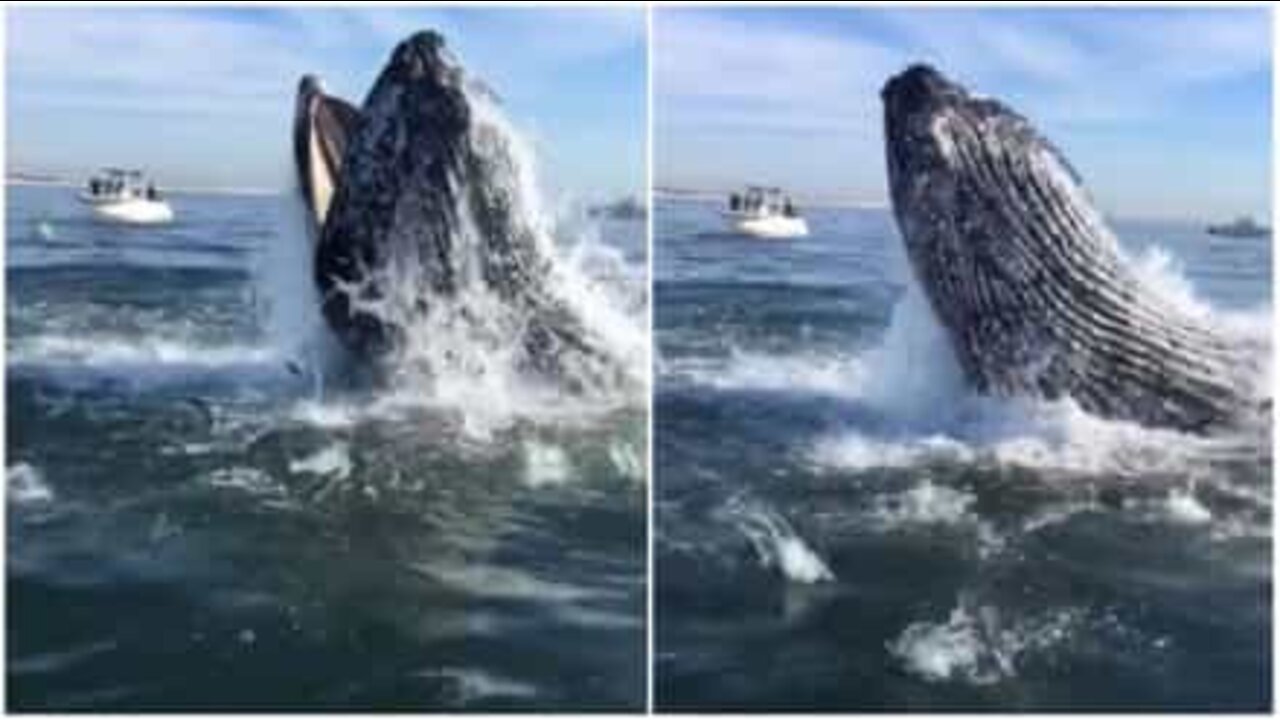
<point x="1026" y="278"/>
<point x="322" y="126"/>
<point x="430" y="230"/>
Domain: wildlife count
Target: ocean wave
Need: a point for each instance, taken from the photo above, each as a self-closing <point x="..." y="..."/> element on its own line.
<point x="926" y="411"/>
<point x="978" y="645"/>
<point x="332" y="461"/>
<point x="107" y="351"/>
<point x="776" y="544"/>
<point x="26" y="485"/>
<point x="545" y="464"/>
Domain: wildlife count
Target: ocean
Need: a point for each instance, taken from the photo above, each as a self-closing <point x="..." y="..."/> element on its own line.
<point x="202" y="515"/>
<point x="841" y="525"/>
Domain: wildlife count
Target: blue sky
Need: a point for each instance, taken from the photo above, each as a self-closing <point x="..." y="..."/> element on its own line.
<point x="1166" y="113"/>
<point x="204" y="96"/>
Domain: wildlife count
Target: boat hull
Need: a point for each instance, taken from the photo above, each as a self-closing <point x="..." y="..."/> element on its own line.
<point x="133" y="212"/>
<point x="770" y="227"/>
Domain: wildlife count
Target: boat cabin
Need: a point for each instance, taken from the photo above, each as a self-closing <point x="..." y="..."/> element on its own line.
<point x="762" y="201"/>
<point x="121" y="184"/>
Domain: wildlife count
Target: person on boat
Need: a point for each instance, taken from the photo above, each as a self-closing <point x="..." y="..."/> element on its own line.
<point x="735" y="202"/>
<point x="788" y="209"/>
<point x="151" y="192"/>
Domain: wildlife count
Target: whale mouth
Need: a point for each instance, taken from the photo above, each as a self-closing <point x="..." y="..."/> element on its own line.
<point x="1023" y="273"/>
<point x="918" y="89"/>
<point x="322" y="128"/>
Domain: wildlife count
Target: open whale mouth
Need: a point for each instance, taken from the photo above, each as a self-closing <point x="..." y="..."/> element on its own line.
<point x="1022" y="271"/>
<point x="322" y="127"/>
<point x="430" y="254"/>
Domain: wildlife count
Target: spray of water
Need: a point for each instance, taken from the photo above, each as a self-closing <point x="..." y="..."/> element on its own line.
<point x="471" y="352"/>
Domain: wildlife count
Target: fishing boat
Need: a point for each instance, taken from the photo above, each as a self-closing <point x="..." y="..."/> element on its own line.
<point x="125" y="196"/>
<point x="1243" y="226"/>
<point x="764" y="212"/>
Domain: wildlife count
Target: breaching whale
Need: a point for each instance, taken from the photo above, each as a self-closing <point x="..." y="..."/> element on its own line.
<point x="1026" y="278"/>
<point x="413" y="202"/>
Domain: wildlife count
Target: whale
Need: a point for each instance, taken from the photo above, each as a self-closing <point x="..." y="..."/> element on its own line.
<point x="1027" y="280"/>
<point x="414" y="206"/>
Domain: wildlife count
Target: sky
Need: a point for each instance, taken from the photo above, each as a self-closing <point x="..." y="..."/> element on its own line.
<point x="203" y="96"/>
<point x="1165" y="113"/>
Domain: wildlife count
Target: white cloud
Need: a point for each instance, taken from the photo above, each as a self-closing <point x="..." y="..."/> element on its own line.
<point x="784" y="77"/>
<point x="1132" y="63"/>
<point x="171" y="59"/>
<point x="197" y="72"/>
<point x="729" y="78"/>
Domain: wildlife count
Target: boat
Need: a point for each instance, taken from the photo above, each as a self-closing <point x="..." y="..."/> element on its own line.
<point x="1243" y="227"/>
<point x="627" y="208"/>
<point x="125" y="196"/>
<point x="764" y="212"/>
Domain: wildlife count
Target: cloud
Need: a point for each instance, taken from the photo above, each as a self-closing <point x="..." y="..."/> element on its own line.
<point x="1089" y="68"/>
<point x="144" y="58"/>
<point x="196" y="72"/>
<point x="725" y="72"/>
<point x="747" y="78"/>
<point x="1094" y="67"/>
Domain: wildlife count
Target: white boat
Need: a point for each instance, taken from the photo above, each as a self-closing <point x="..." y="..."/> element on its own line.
<point x="765" y="213"/>
<point x="124" y="196"/>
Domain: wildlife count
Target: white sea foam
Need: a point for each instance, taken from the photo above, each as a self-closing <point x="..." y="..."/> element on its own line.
<point x="332" y="461"/>
<point x="914" y="383"/>
<point x="475" y="684"/>
<point x="776" y="543"/>
<point x="249" y="480"/>
<point x="1183" y="507"/>
<point x="925" y="504"/>
<point x="918" y="386"/>
<point x="27" y="485"/>
<point x="976" y="645"/>
<point x="545" y="464"/>
<point x="482" y="580"/>
<point x="626" y="460"/>
<point x="103" y="350"/>
<point x="801" y="372"/>
<point x="854" y="451"/>
<point x="289" y="303"/>
<point x="329" y="415"/>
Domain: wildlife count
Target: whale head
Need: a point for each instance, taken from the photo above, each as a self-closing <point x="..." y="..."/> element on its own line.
<point x="322" y="125"/>
<point x="992" y="216"/>
<point x="1023" y="273"/>
<point x="399" y="186"/>
<point x="430" y="214"/>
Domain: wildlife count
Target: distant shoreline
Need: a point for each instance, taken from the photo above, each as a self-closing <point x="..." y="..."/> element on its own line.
<point x="690" y="195"/>
<point x="61" y="182"/>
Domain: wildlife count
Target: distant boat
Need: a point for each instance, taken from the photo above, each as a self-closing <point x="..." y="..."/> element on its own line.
<point x="624" y="209"/>
<point x="125" y="196"/>
<point x="764" y="212"/>
<point x="1243" y="226"/>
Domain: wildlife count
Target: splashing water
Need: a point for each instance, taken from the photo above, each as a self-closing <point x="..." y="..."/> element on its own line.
<point x="776" y="543"/>
<point x="469" y="354"/>
<point x="913" y="379"/>
<point x="978" y="646"/>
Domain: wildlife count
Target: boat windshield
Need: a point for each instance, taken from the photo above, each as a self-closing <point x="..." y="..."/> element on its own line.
<point x="762" y="201"/>
<point x="120" y="183"/>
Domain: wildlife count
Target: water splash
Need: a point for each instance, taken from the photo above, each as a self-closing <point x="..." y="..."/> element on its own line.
<point x="775" y="542"/>
<point x="977" y="645"/>
<point x="469" y="353"/>
<point x="26" y="485"/>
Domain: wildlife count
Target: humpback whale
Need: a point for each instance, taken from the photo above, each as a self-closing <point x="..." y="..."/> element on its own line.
<point x="416" y="205"/>
<point x="1028" y="281"/>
